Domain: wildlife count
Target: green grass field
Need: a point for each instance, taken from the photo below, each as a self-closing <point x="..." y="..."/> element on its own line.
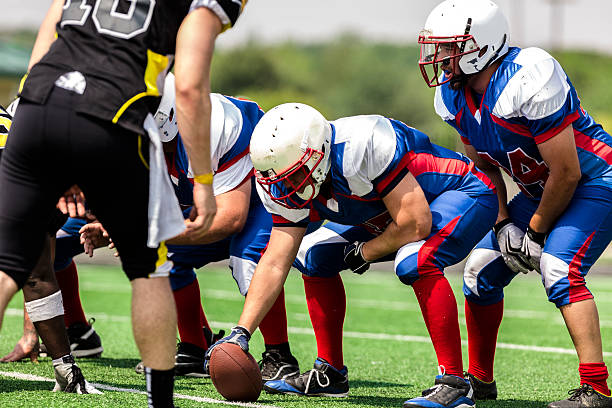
<point x="386" y="346"/>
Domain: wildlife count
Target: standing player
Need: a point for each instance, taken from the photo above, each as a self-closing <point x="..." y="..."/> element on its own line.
<point x="517" y="110"/>
<point x="90" y="96"/>
<point x="390" y="194"/>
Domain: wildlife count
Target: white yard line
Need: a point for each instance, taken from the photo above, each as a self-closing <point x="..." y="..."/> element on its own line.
<point x="30" y="377"/>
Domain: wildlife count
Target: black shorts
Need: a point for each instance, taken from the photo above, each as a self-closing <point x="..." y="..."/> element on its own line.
<point x="49" y="149"/>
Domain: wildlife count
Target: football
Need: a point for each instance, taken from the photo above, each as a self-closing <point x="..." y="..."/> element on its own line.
<point x="235" y="373"/>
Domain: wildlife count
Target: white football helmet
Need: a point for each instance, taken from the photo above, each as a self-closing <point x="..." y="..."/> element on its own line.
<point x="290" y="149"/>
<point x="165" y="117"/>
<point x="476" y="29"/>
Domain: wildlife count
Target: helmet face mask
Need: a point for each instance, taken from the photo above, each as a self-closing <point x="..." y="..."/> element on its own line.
<point x="438" y="54"/>
<point x="297" y="181"/>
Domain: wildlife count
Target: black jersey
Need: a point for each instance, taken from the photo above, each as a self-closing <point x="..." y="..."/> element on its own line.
<point x="116" y="54"/>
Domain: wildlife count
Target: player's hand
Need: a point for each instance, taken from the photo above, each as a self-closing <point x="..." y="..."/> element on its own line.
<point x="204" y="210"/>
<point x="73" y="202"/>
<point x="531" y="250"/>
<point x="239" y="335"/>
<point x="353" y="257"/>
<point x="94" y="236"/>
<point x="27" y="346"/>
<point x="510" y="240"/>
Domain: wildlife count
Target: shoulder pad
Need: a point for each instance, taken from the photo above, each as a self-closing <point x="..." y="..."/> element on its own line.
<point x="538" y="89"/>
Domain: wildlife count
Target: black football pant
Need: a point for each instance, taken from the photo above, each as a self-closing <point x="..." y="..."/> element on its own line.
<point x="50" y="148"/>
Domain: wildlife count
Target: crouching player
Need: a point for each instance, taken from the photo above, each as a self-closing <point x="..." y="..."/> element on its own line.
<point x="239" y="232"/>
<point x="390" y="194"/>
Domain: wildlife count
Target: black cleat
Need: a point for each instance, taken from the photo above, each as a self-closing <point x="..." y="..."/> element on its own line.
<point x="275" y="365"/>
<point x="584" y="397"/>
<point x="449" y="391"/>
<point x="482" y="390"/>
<point x="189" y="361"/>
<point x="84" y="341"/>
<point x="322" y="381"/>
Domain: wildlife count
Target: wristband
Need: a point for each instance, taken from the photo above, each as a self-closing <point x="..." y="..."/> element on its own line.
<point x="206" y="178"/>
<point x="537" y="237"/>
<point x="501" y="225"/>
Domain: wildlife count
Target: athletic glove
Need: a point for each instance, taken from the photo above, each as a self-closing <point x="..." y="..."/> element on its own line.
<point x="239" y="335"/>
<point x="510" y="239"/>
<point x="353" y="257"/>
<point x="531" y="250"/>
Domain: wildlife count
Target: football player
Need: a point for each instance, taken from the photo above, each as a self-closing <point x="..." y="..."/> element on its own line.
<point x="239" y="232"/>
<point x="44" y="319"/>
<point x="390" y="195"/>
<point x="95" y="89"/>
<point x="516" y="110"/>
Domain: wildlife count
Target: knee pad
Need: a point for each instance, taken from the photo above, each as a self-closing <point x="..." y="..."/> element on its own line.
<point x="484" y="277"/>
<point x="45" y="308"/>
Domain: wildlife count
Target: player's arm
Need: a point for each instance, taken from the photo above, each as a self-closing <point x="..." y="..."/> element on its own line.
<point x="561" y="157"/>
<point x="411" y="219"/>
<point x="46" y="32"/>
<point x="194" y="49"/>
<point x="496" y="177"/>
<point x="232" y="212"/>
<point x="270" y="274"/>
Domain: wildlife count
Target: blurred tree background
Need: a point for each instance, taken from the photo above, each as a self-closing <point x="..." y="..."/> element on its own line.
<point x="341" y="78"/>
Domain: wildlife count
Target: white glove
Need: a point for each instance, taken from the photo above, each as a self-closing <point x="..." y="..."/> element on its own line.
<point x="12" y="107"/>
<point x="531" y="249"/>
<point x="510" y="239"/>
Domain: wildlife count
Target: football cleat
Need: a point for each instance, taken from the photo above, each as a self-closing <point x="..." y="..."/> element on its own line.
<point x="189" y="361"/>
<point x="449" y="391"/>
<point x="84" y="341"/>
<point x="69" y="378"/>
<point x="584" y="397"/>
<point x="275" y="365"/>
<point x="482" y="390"/>
<point x="322" y="381"/>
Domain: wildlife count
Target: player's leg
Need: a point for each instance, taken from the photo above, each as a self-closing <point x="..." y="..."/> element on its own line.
<point x="32" y="177"/>
<point x="484" y="279"/>
<point x="246" y="248"/>
<point x="84" y="341"/>
<point x="577" y="240"/>
<point x="320" y="259"/>
<point x="115" y="180"/>
<point x="459" y="222"/>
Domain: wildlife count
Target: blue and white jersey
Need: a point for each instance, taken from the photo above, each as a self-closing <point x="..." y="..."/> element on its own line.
<point x="529" y="100"/>
<point x="232" y="123"/>
<point x="369" y="156"/>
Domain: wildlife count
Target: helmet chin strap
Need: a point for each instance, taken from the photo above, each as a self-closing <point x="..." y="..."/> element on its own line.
<point x="308" y="193"/>
<point x="458" y="82"/>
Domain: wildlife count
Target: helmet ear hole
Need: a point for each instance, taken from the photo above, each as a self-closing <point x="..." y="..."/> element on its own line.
<point x="483" y="51"/>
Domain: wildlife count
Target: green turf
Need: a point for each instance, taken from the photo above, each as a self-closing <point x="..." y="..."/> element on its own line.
<point x="383" y="372"/>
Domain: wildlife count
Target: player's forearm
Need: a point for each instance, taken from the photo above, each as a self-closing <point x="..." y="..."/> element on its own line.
<point x="396" y="236"/>
<point x="46" y="32"/>
<point x="558" y="192"/>
<point x="265" y="287"/>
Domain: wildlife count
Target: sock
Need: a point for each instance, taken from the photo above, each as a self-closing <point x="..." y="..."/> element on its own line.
<point x="326" y="302"/>
<point x="189" y="311"/>
<point x="482" y="327"/>
<point x="274" y="325"/>
<point x="439" y="309"/>
<point x="68" y="281"/>
<point x="595" y="374"/>
<point x="160" y="387"/>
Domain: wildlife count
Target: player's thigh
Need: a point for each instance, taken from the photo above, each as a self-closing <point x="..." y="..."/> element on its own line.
<point x="321" y="252"/>
<point x="31" y="182"/>
<point x="459" y="222"/>
<point x="577" y="240"/>
<point x="116" y="186"/>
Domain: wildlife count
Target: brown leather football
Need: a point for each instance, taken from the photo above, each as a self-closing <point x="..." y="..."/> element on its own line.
<point x="235" y="373"/>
